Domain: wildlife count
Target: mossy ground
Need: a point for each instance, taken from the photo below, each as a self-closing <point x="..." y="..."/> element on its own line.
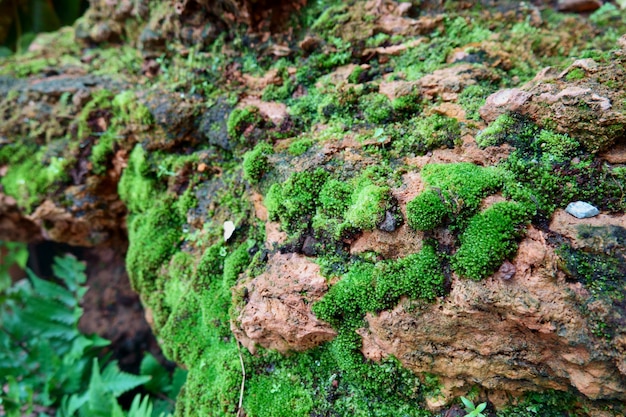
<point x="182" y="182"/>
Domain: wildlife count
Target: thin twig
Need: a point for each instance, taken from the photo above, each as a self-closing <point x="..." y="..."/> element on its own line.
<point x="243" y="382"/>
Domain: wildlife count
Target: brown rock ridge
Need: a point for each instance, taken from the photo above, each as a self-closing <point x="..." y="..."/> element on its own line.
<point x="515" y="332"/>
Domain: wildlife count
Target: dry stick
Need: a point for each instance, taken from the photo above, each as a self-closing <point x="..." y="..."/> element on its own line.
<point x="243" y="381"/>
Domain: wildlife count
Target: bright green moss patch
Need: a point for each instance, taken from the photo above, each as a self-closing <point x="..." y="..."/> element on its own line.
<point x="452" y="188"/>
<point x="236" y="263"/>
<point x="30" y="179"/>
<point x="255" y="163"/>
<point x="375" y="287"/>
<point x="280" y="394"/>
<point x="575" y="74"/>
<point x="137" y="188"/>
<point x="334" y="197"/>
<point x="376" y="108"/>
<point x="489" y="239"/>
<point x="300" y="146"/>
<point x="102" y="150"/>
<point x="426" y="211"/>
<point x="128" y="109"/>
<point x="296" y="199"/>
<point x="473" y="97"/>
<point x="368" y="207"/>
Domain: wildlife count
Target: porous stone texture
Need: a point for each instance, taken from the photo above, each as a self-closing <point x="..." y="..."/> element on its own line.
<point x="277" y="311"/>
<point x="577" y="103"/>
<point x="517" y="334"/>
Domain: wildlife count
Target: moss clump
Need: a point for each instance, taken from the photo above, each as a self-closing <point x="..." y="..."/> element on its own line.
<point x="376" y="108"/>
<point x="300" y="146"/>
<point x="334" y="197"/>
<point x="497" y="132"/>
<point x="557" y="147"/>
<point x="255" y="163"/>
<point x="473" y="97"/>
<point x="575" y="74"/>
<point x="407" y="106"/>
<point x="294" y="202"/>
<point x="30" y="178"/>
<point x="280" y="394"/>
<point x="368" y="207"/>
<point x="241" y="119"/>
<point x="154" y="236"/>
<point x="422" y="134"/>
<point x="453" y="188"/>
<point x="128" y="109"/>
<point x="489" y="239"/>
<point x="235" y="264"/>
<point x="137" y="187"/>
<point x="426" y="211"/>
<point x="102" y="150"/>
<point x="375" y="287"/>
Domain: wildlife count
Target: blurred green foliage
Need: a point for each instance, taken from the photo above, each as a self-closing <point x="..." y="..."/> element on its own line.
<point x="22" y="20"/>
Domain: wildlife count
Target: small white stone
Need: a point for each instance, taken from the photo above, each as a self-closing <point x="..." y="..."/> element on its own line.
<point x="229" y="229"/>
<point x="582" y="210"/>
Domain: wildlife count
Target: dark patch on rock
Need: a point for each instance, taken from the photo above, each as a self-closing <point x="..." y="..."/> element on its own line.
<point x="213" y="124"/>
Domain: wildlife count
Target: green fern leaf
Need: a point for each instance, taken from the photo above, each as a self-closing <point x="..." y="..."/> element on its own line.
<point x="52" y="291"/>
<point x="118" y="382"/>
<point x="140" y="407"/>
<point x="71" y="271"/>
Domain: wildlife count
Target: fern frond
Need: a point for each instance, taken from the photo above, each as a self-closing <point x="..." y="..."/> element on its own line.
<point x="118" y="382"/>
<point x="140" y="407"/>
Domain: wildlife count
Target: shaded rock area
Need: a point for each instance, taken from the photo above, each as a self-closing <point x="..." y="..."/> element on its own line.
<point x="382" y="257"/>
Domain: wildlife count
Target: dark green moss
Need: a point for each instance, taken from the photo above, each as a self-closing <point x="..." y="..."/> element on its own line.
<point x="407" y="106"/>
<point x="498" y="131"/>
<point x="255" y="163"/>
<point x="575" y="74"/>
<point x="235" y="264"/>
<point x="422" y="134"/>
<point x="489" y="239"/>
<point x="545" y="404"/>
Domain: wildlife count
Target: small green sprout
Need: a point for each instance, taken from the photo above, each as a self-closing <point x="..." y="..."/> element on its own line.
<point x="472" y="410"/>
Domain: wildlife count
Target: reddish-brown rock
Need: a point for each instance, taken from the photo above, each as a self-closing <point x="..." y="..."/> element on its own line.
<point x="523" y="333"/>
<point x="277" y="313"/>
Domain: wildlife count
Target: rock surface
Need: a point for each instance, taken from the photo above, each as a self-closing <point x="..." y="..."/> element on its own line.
<point x="503" y="334"/>
<point x="277" y="311"/>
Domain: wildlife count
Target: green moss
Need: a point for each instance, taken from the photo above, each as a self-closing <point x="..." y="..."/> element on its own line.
<point x="235" y="264"/>
<point x="545" y="404"/>
<point x="29" y="179"/>
<point x="557" y="147"/>
<point x="128" y="109"/>
<point x="375" y="287"/>
<point x="334" y="197"/>
<point x="575" y="74"/>
<point x="300" y="146"/>
<point x="255" y="163"/>
<point x="426" y="211"/>
<point x="497" y="132"/>
<point x="489" y="239"/>
<point x="137" y="188"/>
<point x="407" y="106"/>
<point x="368" y="207"/>
<point x="102" y="150"/>
<point x="154" y="236"/>
<point x="422" y="134"/>
<point x="241" y="119"/>
<point x="473" y="97"/>
<point x="279" y="394"/>
<point x="376" y="108"/>
<point x="294" y="202"/>
<point x="453" y="189"/>
<point x="355" y="75"/>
